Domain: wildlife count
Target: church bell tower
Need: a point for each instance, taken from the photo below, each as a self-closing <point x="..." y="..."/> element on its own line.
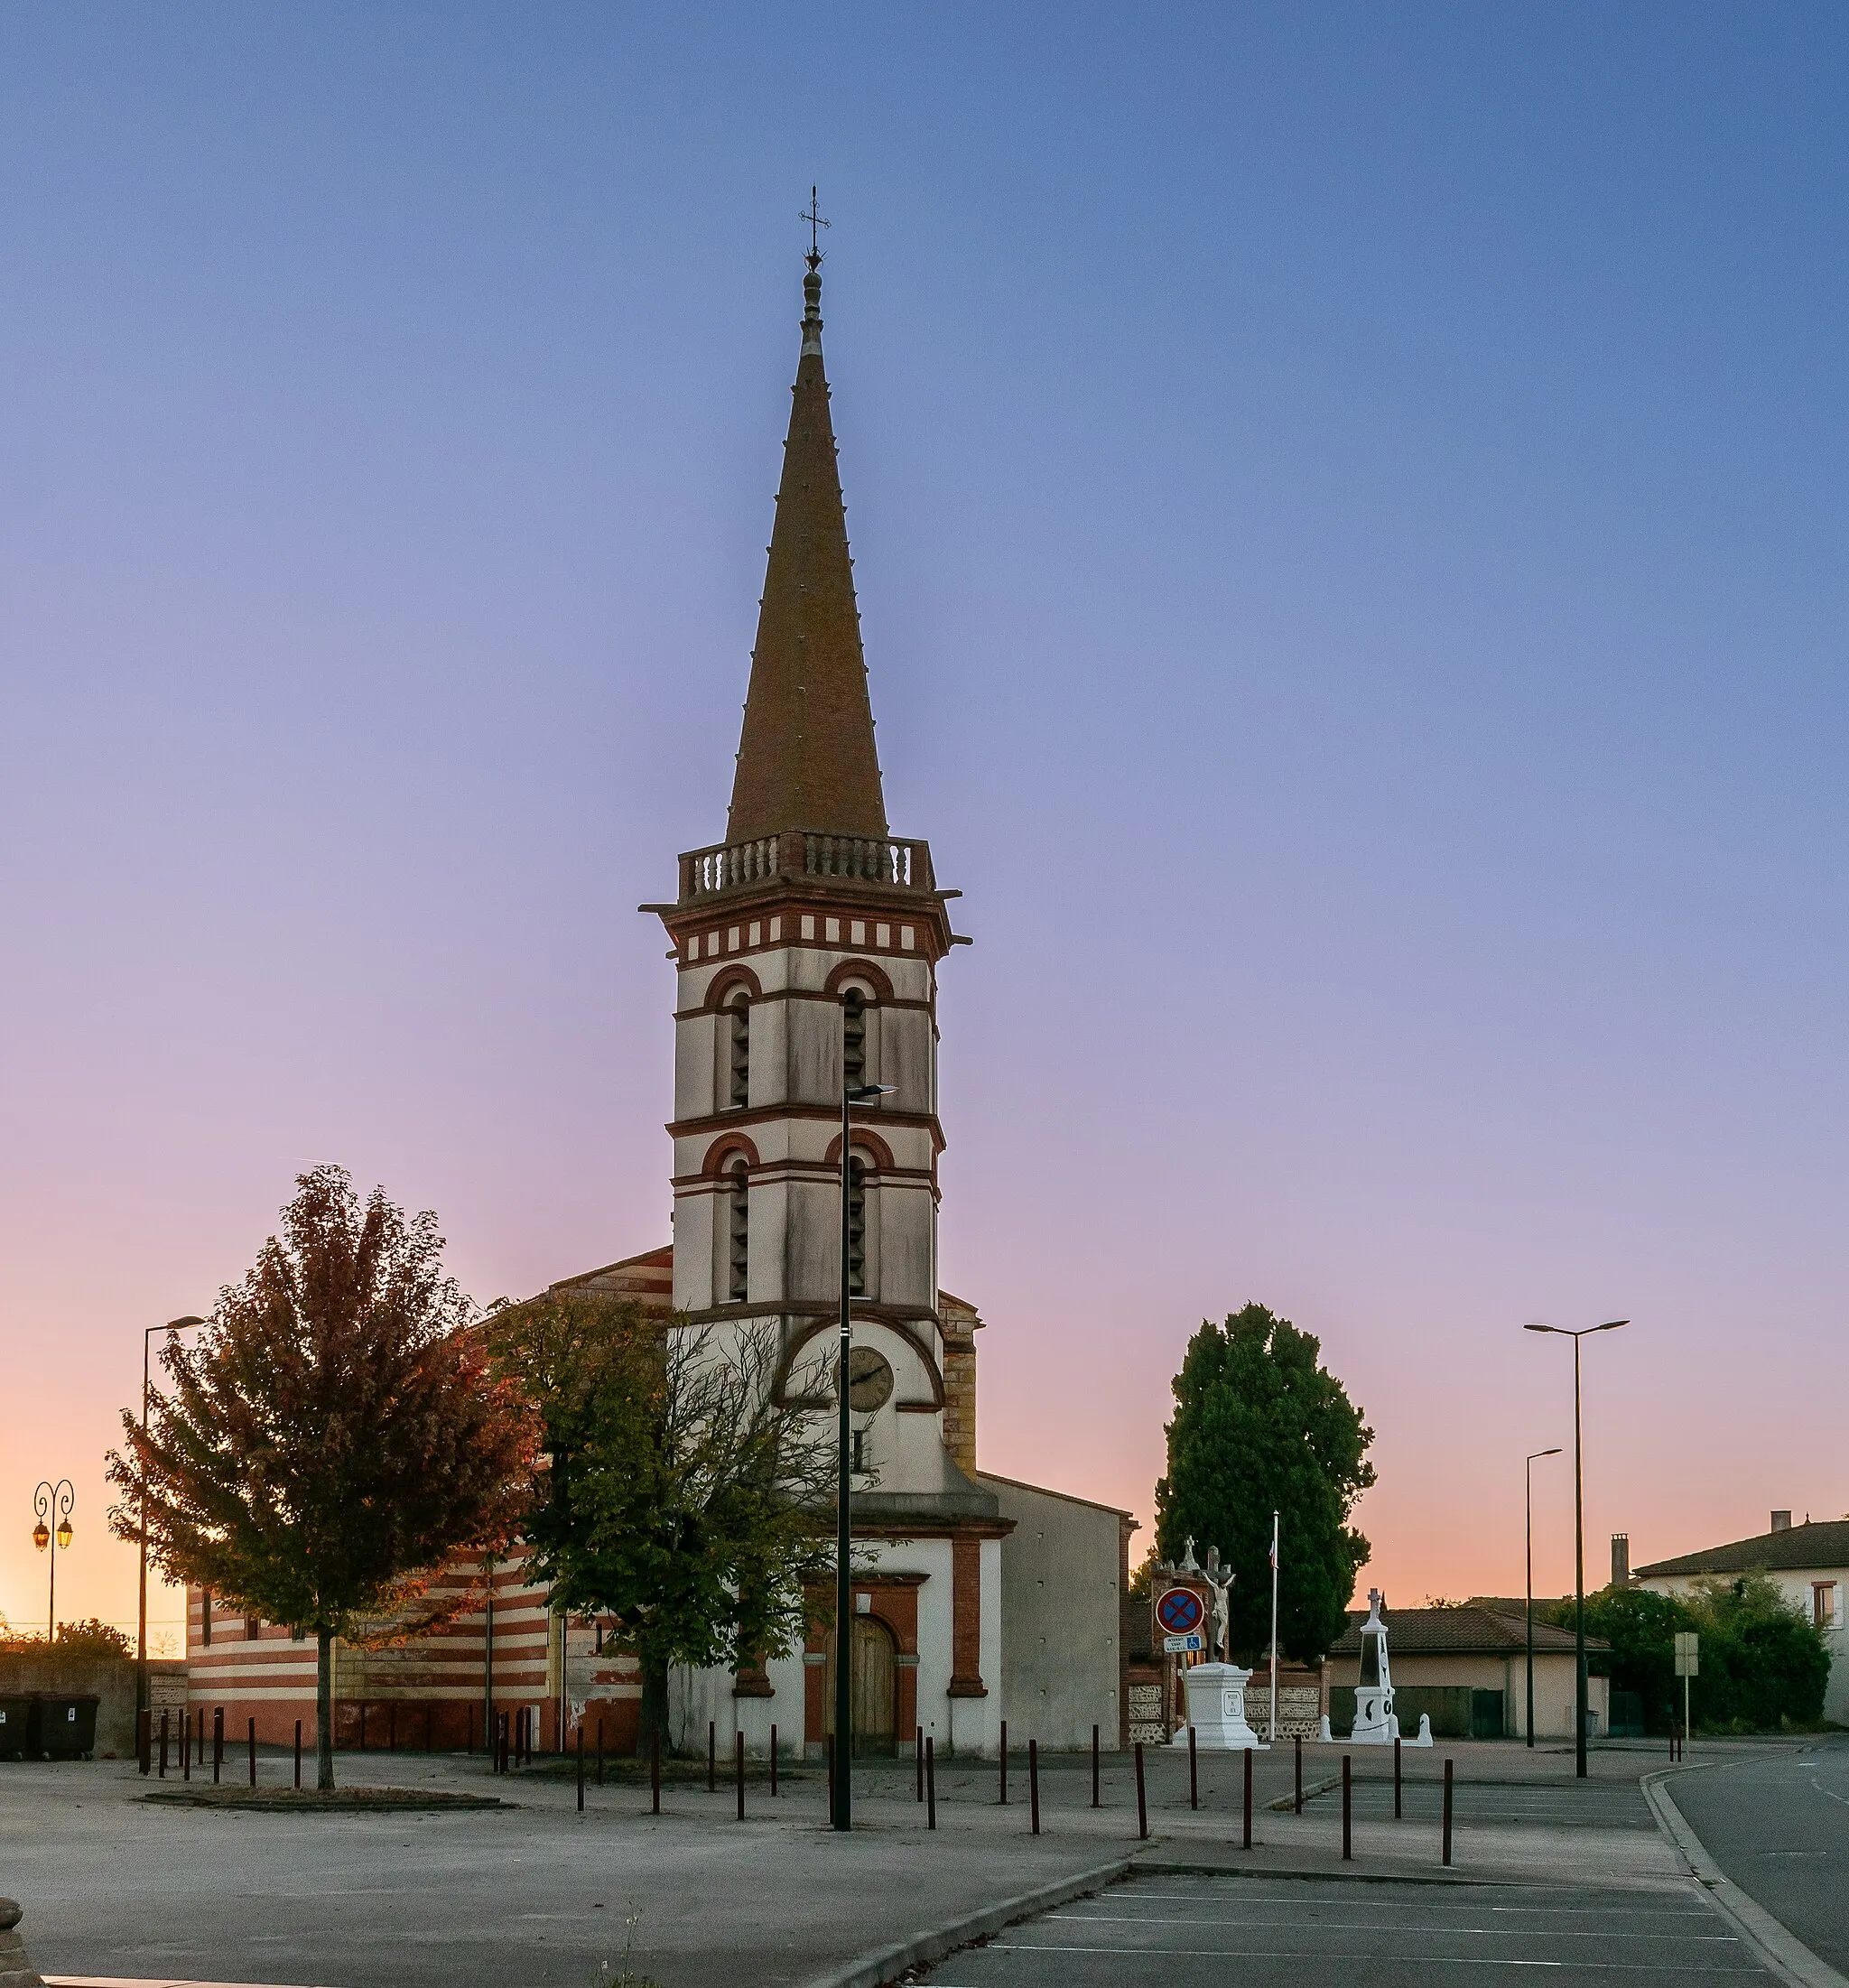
<point x="807" y="944"/>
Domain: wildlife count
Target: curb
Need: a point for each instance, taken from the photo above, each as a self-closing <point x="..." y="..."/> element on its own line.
<point x="886" y="1962"/>
<point x="1779" y="1949"/>
<point x="1160" y="1866"/>
<point x="1286" y="1803"/>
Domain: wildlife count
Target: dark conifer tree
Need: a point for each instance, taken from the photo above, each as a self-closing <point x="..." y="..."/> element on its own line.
<point x="1261" y="1425"/>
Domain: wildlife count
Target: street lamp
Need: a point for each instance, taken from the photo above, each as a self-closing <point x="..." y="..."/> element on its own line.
<point x="1529" y="1471"/>
<point x="53" y="1502"/>
<point x="851" y="1095"/>
<point x="141" y="1639"/>
<point x="1579" y="1690"/>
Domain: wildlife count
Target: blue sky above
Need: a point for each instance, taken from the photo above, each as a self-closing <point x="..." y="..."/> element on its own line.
<point x="1350" y="525"/>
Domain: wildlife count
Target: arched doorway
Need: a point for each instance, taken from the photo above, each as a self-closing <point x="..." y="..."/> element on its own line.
<point x="872" y="1683"/>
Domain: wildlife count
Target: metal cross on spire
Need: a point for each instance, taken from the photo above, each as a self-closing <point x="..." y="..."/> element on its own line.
<point x="812" y="215"/>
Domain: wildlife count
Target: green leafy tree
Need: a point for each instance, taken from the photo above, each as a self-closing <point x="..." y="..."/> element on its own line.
<point x="333" y="1436"/>
<point x="679" y="1499"/>
<point x="91" y="1638"/>
<point x="1261" y="1425"/>
<point x="1763" y="1662"/>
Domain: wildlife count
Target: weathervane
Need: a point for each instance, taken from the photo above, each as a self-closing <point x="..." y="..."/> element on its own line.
<point x="812" y="215"/>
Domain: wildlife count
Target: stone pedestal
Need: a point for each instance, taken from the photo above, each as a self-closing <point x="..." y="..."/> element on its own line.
<point x="16" y="1970"/>
<point x="1216" y="1695"/>
<point x="1374" y="1723"/>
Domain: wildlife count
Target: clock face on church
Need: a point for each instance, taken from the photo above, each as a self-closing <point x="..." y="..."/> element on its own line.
<point x="870" y="1380"/>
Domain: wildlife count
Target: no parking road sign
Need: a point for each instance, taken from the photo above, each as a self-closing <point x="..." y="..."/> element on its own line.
<point x="1179" y="1611"/>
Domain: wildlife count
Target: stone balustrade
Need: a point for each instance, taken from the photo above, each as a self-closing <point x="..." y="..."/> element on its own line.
<point x="893" y="863"/>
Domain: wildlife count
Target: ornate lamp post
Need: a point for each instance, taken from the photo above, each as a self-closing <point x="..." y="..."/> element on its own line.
<point x="1579" y="1693"/>
<point x="54" y="1502"/>
<point x="851" y="1095"/>
<point x="141" y="1639"/>
<point x="1529" y="1471"/>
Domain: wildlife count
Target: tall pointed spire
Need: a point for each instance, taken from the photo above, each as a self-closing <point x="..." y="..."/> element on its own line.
<point x="806" y="756"/>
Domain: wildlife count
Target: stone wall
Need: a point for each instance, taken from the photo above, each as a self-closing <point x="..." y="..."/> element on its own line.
<point x="110" y="1681"/>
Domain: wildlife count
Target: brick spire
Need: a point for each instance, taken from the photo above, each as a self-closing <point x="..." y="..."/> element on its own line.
<point x="806" y="757"/>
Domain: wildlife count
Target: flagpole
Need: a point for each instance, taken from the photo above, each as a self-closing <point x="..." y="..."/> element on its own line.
<point x="1274" y="1629"/>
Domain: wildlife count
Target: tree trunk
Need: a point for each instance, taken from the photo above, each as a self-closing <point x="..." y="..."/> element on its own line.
<point x="655" y="1707"/>
<point x="324" y="1711"/>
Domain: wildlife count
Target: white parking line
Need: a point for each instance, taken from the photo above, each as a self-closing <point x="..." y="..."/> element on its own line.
<point x="1421" y="1960"/>
<point x="1373" y="1926"/>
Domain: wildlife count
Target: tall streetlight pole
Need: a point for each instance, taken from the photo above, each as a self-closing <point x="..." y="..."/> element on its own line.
<point x="851" y="1095"/>
<point x="141" y="1637"/>
<point x="1529" y="1471"/>
<point x="1579" y="1692"/>
<point x="54" y="1504"/>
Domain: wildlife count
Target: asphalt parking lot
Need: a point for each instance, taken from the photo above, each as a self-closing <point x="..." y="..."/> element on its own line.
<point x="1189" y="1932"/>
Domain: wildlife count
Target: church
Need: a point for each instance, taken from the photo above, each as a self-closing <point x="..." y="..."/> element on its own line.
<point x="806" y="948"/>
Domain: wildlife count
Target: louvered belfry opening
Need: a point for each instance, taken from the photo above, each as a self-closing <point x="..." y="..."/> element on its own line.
<point x="742" y="1051"/>
<point x="857" y="1227"/>
<point x="853" y="1039"/>
<point x="739" y="1286"/>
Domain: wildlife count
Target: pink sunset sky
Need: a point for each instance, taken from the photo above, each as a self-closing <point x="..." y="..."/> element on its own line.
<point x="1351" y="538"/>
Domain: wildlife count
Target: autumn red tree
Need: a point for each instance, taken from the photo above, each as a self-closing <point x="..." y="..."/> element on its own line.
<point x="333" y="1436"/>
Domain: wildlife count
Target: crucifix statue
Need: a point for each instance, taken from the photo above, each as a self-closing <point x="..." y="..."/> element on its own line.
<point x="1220" y="1622"/>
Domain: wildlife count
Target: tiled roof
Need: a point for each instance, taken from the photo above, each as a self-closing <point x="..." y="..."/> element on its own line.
<point x="806" y="757"/>
<point x="1817" y="1543"/>
<point x="1469" y="1629"/>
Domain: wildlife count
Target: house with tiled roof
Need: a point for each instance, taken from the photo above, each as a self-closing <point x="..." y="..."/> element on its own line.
<point x="1464" y="1664"/>
<point x="1809" y="1566"/>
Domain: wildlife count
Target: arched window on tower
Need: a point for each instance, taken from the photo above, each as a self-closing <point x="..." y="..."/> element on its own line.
<point x="857" y="1227"/>
<point x="739" y="1209"/>
<point x="853" y="1038"/>
<point x="740" y="1023"/>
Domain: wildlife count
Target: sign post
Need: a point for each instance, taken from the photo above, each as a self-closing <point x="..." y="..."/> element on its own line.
<point x="1687" y="1666"/>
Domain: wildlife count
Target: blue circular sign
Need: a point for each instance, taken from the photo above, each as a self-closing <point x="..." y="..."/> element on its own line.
<point x="1179" y="1611"/>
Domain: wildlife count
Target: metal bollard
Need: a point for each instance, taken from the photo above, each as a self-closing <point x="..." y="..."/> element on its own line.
<point x="1299" y="1746"/>
<point x="739" y="1769"/>
<point x="298" y="1753"/>
<point x="918" y="1759"/>
<point x="186" y="1747"/>
<point x="217" y="1742"/>
<point x="144" y="1740"/>
<point x="1396" y="1776"/>
<point x="930" y="1782"/>
<point x="1142" y="1802"/>
<point x="1004" y="1763"/>
<point x="1194" y="1776"/>
<point x="1095" y="1802"/>
<point x="772" y="1760"/>
<point x="1033" y="1783"/>
<point x="712" y="1756"/>
<point x="253" y="1753"/>
<point x="1447" y="1812"/>
<point x="164" y="1746"/>
<point x="654" y="1772"/>
<point x="581" y="1770"/>
<point x="1248" y="1799"/>
<point x="1347" y="1810"/>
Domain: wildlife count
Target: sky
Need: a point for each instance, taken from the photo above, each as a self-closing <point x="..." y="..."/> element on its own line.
<point x="1350" y="527"/>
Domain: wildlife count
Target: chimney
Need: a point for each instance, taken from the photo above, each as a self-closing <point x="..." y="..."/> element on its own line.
<point x="1620" y="1559"/>
<point x="1781" y="1522"/>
